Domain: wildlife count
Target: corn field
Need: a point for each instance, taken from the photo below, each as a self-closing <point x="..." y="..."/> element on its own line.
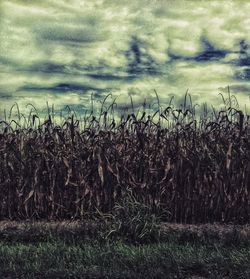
<point x="196" y="169"/>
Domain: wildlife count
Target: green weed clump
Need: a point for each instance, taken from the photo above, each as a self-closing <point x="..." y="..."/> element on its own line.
<point x="133" y="222"/>
<point x="187" y="167"/>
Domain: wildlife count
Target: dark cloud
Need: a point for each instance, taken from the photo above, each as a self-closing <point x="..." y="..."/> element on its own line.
<point x="243" y="75"/>
<point x="209" y="53"/>
<point x="47" y="68"/>
<point x="5" y="96"/>
<point x="110" y="77"/>
<point x="244" y="61"/>
<point x="62" y="88"/>
<point x="138" y="60"/>
<point x="244" y="54"/>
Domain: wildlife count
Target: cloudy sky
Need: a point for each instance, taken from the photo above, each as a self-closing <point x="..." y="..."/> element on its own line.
<point x="62" y="51"/>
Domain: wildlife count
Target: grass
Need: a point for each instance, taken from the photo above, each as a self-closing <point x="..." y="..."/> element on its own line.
<point x="119" y="260"/>
<point x="88" y="250"/>
<point x="74" y="232"/>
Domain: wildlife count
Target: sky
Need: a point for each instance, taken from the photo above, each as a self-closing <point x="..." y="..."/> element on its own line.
<point x="63" y="52"/>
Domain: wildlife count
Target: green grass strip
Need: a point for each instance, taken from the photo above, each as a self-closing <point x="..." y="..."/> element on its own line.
<point x="119" y="260"/>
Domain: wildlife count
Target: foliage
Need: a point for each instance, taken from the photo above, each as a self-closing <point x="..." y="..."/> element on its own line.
<point x="194" y="167"/>
<point x="132" y="221"/>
